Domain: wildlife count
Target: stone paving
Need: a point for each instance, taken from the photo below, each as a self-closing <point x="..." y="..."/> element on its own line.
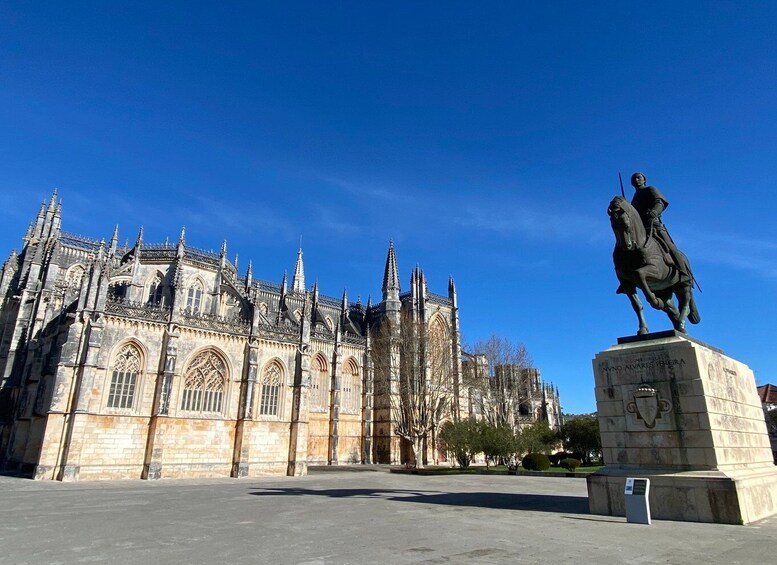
<point x="347" y="517"/>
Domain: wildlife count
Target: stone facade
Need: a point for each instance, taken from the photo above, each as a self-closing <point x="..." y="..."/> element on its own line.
<point x="161" y="360"/>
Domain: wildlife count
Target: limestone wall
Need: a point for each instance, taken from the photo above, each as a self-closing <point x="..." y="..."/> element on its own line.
<point x="318" y="438"/>
<point x="113" y="447"/>
<point x="196" y="447"/>
<point x="268" y="447"/>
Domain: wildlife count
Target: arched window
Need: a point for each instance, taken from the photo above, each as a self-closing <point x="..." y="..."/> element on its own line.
<point x="204" y="383"/>
<point x="194" y="297"/>
<point x="74" y="277"/>
<point x="118" y="291"/>
<point x="155" y="289"/>
<point x="124" y="379"/>
<point x="319" y="385"/>
<point x="440" y="359"/>
<point x="350" y="388"/>
<point x="272" y="377"/>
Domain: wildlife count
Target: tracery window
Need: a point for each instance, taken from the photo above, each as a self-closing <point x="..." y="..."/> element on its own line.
<point x="194" y="297"/>
<point x="319" y="385"/>
<point x="440" y="361"/>
<point x="350" y="388"/>
<point x="118" y="291"/>
<point x="74" y="277"/>
<point x="204" y="383"/>
<point x="124" y="379"/>
<point x="271" y="390"/>
<point x="155" y="289"/>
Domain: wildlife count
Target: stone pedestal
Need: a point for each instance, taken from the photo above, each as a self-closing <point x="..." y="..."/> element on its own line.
<point x="687" y="417"/>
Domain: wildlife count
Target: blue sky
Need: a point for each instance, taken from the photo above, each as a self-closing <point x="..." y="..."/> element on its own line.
<point x="484" y="139"/>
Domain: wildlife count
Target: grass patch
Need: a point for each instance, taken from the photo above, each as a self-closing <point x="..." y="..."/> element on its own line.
<point x="494" y="469"/>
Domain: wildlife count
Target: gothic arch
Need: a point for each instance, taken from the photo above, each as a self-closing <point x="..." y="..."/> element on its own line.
<point x="204" y="382"/>
<point x="350" y="387"/>
<point x="319" y="383"/>
<point x="154" y="289"/>
<point x="439" y="350"/>
<point x="195" y="293"/>
<point x="75" y="276"/>
<point x="127" y="363"/>
<point x="272" y="383"/>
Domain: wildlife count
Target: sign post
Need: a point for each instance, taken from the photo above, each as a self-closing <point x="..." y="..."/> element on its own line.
<point x="637" y="502"/>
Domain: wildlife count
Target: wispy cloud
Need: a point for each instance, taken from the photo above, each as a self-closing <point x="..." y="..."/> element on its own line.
<point x="758" y="256"/>
<point x="337" y="221"/>
<point x="371" y="190"/>
<point x="482" y="210"/>
<point x="529" y="222"/>
<point x="224" y="217"/>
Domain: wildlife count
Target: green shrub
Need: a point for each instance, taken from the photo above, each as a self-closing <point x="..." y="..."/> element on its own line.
<point x="536" y="462"/>
<point x="558" y="457"/>
<point x="570" y="464"/>
<point x="462" y="439"/>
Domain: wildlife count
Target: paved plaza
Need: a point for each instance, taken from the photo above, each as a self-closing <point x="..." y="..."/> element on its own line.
<point x="348" y="517"/>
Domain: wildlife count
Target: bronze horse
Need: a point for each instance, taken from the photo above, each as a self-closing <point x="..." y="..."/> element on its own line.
<point x="641" y="262"/>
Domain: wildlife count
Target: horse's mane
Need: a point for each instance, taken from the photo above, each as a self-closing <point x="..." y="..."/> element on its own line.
<point x="636" y="221"/>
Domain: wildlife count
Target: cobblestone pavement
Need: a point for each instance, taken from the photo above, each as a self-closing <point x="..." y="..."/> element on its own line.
<point x="347" y="517"/>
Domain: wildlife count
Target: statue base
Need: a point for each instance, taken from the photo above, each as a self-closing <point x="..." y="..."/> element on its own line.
<point x="686" y="416"/>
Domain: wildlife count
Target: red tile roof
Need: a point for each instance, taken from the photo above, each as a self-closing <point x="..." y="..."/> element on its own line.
<point x="768" y="394"/>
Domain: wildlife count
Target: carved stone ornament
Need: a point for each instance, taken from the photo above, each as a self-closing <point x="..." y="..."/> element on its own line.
<point x="648" y="406"/>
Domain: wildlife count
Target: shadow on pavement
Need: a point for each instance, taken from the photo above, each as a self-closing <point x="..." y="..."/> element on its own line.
<point x="496" y="500"/>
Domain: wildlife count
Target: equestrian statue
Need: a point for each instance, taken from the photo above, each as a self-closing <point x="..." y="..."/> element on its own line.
<point x="646" y="257"/>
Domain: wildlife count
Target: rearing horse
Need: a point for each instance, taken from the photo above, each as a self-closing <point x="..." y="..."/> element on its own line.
<point x="641" y="262"/>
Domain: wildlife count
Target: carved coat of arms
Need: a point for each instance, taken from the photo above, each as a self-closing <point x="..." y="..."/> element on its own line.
<point x="647" y="405"/>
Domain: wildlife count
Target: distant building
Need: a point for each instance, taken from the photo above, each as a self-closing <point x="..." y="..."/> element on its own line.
<point x="768" y="395"/>
<point x="513" y="394"/>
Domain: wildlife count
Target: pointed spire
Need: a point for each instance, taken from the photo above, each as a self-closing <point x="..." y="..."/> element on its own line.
<point x="57" y="219"/>
<point x="115" y="239"/>
<point x="298" y="281"/>
<point x="53" y="201"/>
<point x="39" y="220"/>
<point x="283" y="283"/>
<point x="139" y="240"/>
<point x="391" y="275"/>
<point x="315" y="293"/>
<point x="344" y="306"/>
<point x="452" y="292"/>
<point x="223" y="252"/>
<point x="249" y="274"/>
<point x="236" y="261"/>
<point x="182" y="237"/>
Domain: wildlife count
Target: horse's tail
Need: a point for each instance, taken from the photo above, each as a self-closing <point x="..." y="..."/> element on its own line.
<point x="693" y="313"/>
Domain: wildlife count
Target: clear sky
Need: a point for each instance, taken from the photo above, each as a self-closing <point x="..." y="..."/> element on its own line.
<point x="484" y="139"/>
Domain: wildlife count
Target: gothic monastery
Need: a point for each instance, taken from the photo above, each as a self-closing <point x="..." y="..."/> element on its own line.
<point x="161" y="360"/>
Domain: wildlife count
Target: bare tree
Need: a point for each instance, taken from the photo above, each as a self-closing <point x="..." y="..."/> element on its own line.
<point x="498" y="379"/>
<point x="413" y="368"/>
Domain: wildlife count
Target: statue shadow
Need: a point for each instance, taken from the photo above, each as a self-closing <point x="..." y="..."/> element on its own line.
<point x="496" y="500"/>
